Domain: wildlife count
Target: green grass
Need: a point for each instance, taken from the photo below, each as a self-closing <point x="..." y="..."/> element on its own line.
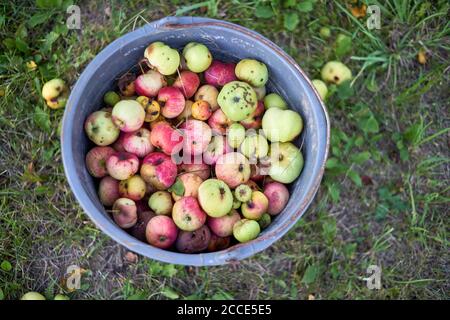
<point x="384" y="199"/>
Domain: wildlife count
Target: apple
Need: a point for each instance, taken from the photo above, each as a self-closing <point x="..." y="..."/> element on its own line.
<point x="148" y="84"/>
<point x="187" y="112"/>
<point x="193" y="241"/>
<point x="252" y="71"/>
<point x="254" y="121"/>
<point x="55" y="92"/>
<point x="187" y="214"/>
<point x="278" y="196"/>
<point x="218" y="243"/>
<point x="264" y="221"/>
<point x="171" y="101"/>
<point x="201" y="110"/>
<point x="215" y="197"/>
<point x="138" y="142"/>
<point x="96" y="161"/>
<point x="111" y="98"/>
<point x="126" y="85"/>
<point x="246" y="230"/>
<point x="161" y="232"/>
<point x="274" y="100"/>
<point x="254" y="146"/>
<point x="159" y="170"/>
<point x="236" y="203"/>
<point x="281" y="125"/>
<point x="260" y="92"/>
<point x="122" y="165"/>
<point x="187" y="82"/>
<point x="162" y="57"/>
<point x="101" y="129"/>
<point x="220" y="73"/>
<point x="61" y="297"/>
<point x="166" y="138"/>
<point x="108" y="191"/>
<point x="133" y="188"/>
<point x="219" y="122"/>
<point x="223" y="226"/>
<point x="201" y="169"/>
<point x="138" y="230"/>
<point x="335" y="72"/>
<point x="188" y="184"/>
<point x="233" y="168"/>
<point x="197" y="135"/>
<point x="243" y="193"/>
<point x="161" y="203"/>
<point x="235" y="135"/>
<point x="237" y="100"/>
<point x="152" y="108"/>
<point x="286" y="162"/>
<point x="209" y="94"/>
<point x="124" y="213"/>
<point x="256" y="206"/>
<point x="321" y="88"/>
<point x="197" y="57"/>
<point x="260" y="169"/>
<point x="118" y="144"/>
<point x="128" y="115"/>
<point x="32" y="296"/>
<point x="215" y="149"/>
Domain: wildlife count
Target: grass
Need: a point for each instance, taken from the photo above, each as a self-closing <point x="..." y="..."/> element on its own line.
<point x="384" y="199"/>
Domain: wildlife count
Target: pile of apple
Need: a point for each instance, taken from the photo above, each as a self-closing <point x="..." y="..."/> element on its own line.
<point x="192" y="154"/>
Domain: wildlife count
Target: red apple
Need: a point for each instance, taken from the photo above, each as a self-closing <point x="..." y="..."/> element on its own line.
<point x="96" y="161"/>
<point x="188" y="83"/>
<point x="171" y="101"/>
<point x="122" y="165"/>
<point x="161" y="232"/>
<point x="148" y="84"/>
<point x="197" y="135"/>
<point x="159" y="170"/>
<point x="166" y="138"/>
<point x="219" y="73"/>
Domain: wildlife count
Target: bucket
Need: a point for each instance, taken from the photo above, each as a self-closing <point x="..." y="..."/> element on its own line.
<point x="228" y="42"/>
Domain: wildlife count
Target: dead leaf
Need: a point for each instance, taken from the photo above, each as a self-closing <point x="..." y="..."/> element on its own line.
<point x="358" y="11"/>
<point x="422" y="57"/>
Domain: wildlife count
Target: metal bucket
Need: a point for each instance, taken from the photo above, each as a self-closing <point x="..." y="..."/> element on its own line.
<point x="229" y="42"/>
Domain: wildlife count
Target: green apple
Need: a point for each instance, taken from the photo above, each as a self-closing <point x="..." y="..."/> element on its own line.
<point x="237" y="100"/>
<point x="61" y="297"/>
<point x="281" y="125"/>
<point x="243" y="193"/>
<point x="245" y="230"/>
<point x="162" y="57"/>
<point x="197" y="57"/>
<point x="236" y="134"/>
<point x="32" y="296"/>
<point x="252" y="71"/>
<point x="286" y="162"/>
<point x="161" y="203"/>
<point x="215" y="197"/>
<point x="111" y="98"/>
<point x="264" y="221"/>
<point x="335" y="72"/>
<point x="321" y="88"/>
<point x="254" y="146"/>
<point x="274" y="100"/>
